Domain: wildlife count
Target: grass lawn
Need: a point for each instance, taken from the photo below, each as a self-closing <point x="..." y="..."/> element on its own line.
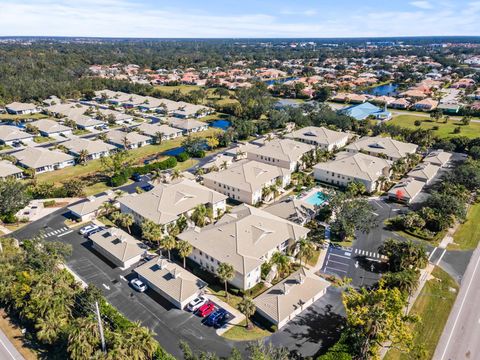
<point x="182" y="166"/>
<point x="94" y="166"/>
<point x="211" y="96"/>
<point x="467" y="235"/>
<point x="241" y="333"/>
<point x="81" y="132"/>
<point x="16" y="226"/>
<point x="10" y="117"/>
<point x="433" y="306"/>
<point x="184" y="89"/>
<point x="312" y="260"/>
<point x="444" y="130"/>
<point x="14" y="334"/>
<point x="42" y="139"/>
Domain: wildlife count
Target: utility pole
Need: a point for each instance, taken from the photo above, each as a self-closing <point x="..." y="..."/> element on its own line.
<point x="100" y="327"/>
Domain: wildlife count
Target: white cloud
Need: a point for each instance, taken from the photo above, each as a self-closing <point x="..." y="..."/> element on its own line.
<point x="422" y="4"/>
<point x="129" y="18"/>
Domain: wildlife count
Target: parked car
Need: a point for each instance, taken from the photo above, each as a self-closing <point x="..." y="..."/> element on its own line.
<point x="136" y="177"/>
<point x="138" y="285"/>
<point x="196" y="303"/>
<point x="223" y="320"/>
<point x="147" y="187"/>
<point x="97" y="229"/>
<point x="213" y="317"/>
<point x="206" y="309"/>
<point x="87" y="229"/>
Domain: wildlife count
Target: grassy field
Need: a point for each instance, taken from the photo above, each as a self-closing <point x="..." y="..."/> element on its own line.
<point x="211" y="96"/>
<point x="94" y="166"/>
<point x="241" y="333"/>
<point x="468" y="234"/>
<point x="444" y="130"/>
<point x="433" y="306"/>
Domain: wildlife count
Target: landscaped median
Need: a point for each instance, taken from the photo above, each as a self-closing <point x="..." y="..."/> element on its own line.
<point x="467" y="235"/>
<point x="433" y="307"/>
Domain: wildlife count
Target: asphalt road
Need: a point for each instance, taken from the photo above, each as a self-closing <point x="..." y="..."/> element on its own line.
<point x="7" y="350"/>
<point x="460" y="338"/>
<point x="309" y="333"/>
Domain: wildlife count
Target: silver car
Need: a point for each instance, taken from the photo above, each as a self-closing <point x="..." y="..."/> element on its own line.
<point x="138" y="285"/>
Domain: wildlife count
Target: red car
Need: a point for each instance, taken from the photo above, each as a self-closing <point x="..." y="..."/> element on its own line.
<point x="206" y="309"/>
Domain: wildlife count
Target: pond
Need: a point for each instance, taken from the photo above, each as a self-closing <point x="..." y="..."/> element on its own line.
<point x="383" y="90"/>
<point x="175" y="151"/>
<point x="221" y="124"/>
<point x="280" y="81"/>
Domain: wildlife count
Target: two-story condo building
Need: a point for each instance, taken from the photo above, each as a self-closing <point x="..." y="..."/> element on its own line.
<point x="285" y="153"/>
<point x="320" y="137"/>
<point x="382" y="146"/>
<point x="244" y="180"/>
<point x="245" y="238"/>
<point x="167" y="202"/>
<point x="348" y="167"/>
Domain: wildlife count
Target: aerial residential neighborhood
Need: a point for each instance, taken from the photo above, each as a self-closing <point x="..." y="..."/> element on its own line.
<point x="229" y="181"/>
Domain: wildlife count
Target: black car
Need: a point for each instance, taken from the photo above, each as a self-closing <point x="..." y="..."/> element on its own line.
<point x="136" y="177"/>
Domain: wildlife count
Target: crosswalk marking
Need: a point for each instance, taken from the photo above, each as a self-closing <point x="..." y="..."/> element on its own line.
<point x="370" y="254"/>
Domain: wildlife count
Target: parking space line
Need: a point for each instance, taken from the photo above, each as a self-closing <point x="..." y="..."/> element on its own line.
<point x="337" y="262"/>
<point x="342" y="256"/>
<point x="65" y="233"/>
<point x="333" y="269"/>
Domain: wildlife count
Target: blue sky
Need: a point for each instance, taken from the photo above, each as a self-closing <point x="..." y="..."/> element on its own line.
<point x="241" y="18"/>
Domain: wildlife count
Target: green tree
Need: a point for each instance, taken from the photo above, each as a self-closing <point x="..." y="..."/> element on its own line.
<point x="306" y="249"/>
<point x="201" y="215"/>
<point x="404" y="255"/>
<point x="374" y="318"/>
<point x="226" y="273"/>
<point x="247" y="307"/>
<point x="168" y="243"/>
<point x="125" y="221"/>
<point x="136" y="342"/>
<point x="13" y="196"/>
<point x="283" y="262"/>
<point x="151" y="231"/>
<point x="184" y="250"/>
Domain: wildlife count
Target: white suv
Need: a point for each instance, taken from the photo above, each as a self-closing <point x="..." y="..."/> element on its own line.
<point x="196" y="303"/>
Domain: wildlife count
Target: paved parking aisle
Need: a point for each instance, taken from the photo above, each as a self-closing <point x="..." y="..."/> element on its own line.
<point x="337" y="262"/>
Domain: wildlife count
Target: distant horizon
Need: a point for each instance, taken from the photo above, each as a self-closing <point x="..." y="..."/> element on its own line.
<point x="249" y="19"/>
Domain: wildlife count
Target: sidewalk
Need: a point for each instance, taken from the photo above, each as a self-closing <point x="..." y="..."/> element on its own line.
<point x="238" y="316"/>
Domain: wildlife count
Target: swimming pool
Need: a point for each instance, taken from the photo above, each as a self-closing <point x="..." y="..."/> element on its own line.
<point x="221" y="124"/>
<point x="317" y="198"/>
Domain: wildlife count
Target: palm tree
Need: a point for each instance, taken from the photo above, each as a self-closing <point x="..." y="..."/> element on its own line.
<point x="125" y="142"/>
<point x="49" y="327"/>
<point x="266" y="192"/>
<point x="283" y="263"/>
<point x="151" y="231"/>
<point x="82" y="157"/>
<point x="225" y="273"/>
<point x="102" y="137"/>
<point x="176" y="174"/>
<point x="200" y="171"/>
<point x="83" y="338"/>
<point x="224" y="165"/>
<point x="159" y="137"/>
<point x="125" y="221"/>
<point x="201" y="214"/>
<point x="137" y="343"/>
<point x="184" y="250"/>
<point x="168" y="243"/>
<point x="106" y="209"/>
<point x="306" y="249"/>
<point x="247" y="307"/>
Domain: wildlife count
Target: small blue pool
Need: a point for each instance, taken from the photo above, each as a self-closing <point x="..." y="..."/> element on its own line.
<point x="317" y="198"/>
<point x="221" y="124"/>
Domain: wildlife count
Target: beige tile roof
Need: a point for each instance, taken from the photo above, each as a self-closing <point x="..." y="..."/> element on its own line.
<point x="153" y="129"/>
<point x="38" y="157"/>
<point x="281" y="300"/>
<point x="357" y="165"/>
<point x="438" y="157"/>
<point x="320" y="135"/>
<point x="248" y="175"/>
<point x="118" y="244"/>
<point x="91" y="204"/>
<point x="383" y="145"/>
<point x="18" y="106"/>
<point x="92" y="146"/>
<point x="11" y="133"/>
<point x="185" y="124"/>
<point x="409" y="187"/>
<point x="117" y="137"/>
<point x="171" y="278"/>
<point x="424" y="171"/>
<point x="243" y="236"/>
<point x="166" y="202"/>
<point x="8" y="169"/>
<point x="292" y="210"/>
<point x="283" y="149"/>
<point x="50" y="126"/>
